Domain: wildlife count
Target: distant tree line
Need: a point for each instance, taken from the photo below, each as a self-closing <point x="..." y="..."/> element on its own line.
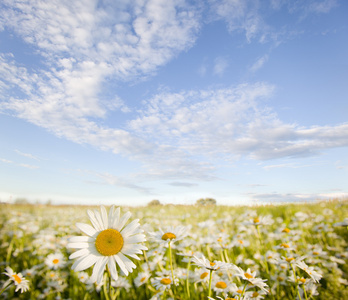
<point x="199" y="202"/>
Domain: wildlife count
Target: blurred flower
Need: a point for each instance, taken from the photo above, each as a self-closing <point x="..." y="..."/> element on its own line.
<point x="55" y="261"/>
<point x="17" y="278"/>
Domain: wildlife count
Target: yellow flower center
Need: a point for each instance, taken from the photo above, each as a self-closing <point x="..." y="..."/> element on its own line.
<point x="239" y="291"/>
<point x="280" y="278"/>
<point x="55" y="261"/>
<point x="256" y="220"/>
<point x="315" y="253"/>
<point x="287" y="230"/>
<point x="221" y="285"/>
<point x="247" y="275"/>
<point x="284" y="245"/>
<point x="165" y="281"/>
<point x="109" y="242"/>
<point x="212" y="264"/>
<point x="255" y="294"/>
<point x="143" y="279"/>
<point x="289" y="259"/>
<point x="17" y="278"/>
<point x="203" y="275"/>
<point x="240" y="242"/>
<point x="168" y="236"/>
<point x="303" y="280"/>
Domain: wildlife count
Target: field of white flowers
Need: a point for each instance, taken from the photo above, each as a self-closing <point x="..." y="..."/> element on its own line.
<point x="295" y="251"/>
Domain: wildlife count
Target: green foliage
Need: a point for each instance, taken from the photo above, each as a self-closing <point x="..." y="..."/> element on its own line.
<point x="206" y="202"/>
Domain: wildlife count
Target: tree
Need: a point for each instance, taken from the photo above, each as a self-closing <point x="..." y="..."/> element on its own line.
<point x="206" y="201"/>
<point x="154" y="203"/>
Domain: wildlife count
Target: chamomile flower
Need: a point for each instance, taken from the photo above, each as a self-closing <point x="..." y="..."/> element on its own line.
<point x="203" y="262"/>
<point x="19" y="281"/>
<point x="55" y="261"/>
<point x="169" y="234"/>
<point x="142" y="278"/>
<point x="309" y="270"/>
<point x="108" y="242"/>
<point x="162" y="282"/>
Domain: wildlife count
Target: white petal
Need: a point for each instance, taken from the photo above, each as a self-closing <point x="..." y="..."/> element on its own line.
<point x="127" y="262"/>
<point x="80" y="238"/>
<point x="93" y="220"/>
<point x="79" y="253"/>
<point x="121" y="263"/>
<point x="115" y="218"/>
<point x="104" y="217"/>
<point x="85" y="228"/>
<point x="139" y="238"/>
<point x="99" y="219"/>
<point x="98" y="270"/>
<point x="84" y="262"/>
<point x="123" y="221"/>
<point x="77" y="245"/>
<point x="112" y="268"/>
<point x="129" y="229"/>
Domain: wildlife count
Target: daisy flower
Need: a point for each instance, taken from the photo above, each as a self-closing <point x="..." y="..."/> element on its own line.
<point x="169" y="234"/>
<point x="203" y="262"/>
<point x="142" y="278"/>
<point x="108" y="242"/>
<point x="309" y="270"/>
<point x="55" y="261"/>
<point x="163" y="281"/>
<point x="17" y="278"/>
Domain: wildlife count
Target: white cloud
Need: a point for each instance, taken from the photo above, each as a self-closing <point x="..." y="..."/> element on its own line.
<point x="259" y="63"/>
<point x="5" y="161"/>
<point x="28" y="166"/>
<point x="220" y="65"/>
<point x="28" y="155"/>
<point x="231" y="122"/>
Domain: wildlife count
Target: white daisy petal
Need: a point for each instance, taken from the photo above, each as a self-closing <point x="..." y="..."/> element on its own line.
<point x="135" y="239"/>
<point x="98" y="270"/>
<point x="93" y="220"/>
<point x="121" y="263"/>
<point x="123" y="221"/>
<point x="127" y="262"/>
<point x="78" y="245"/>
<point x="80" y="238"/>
<point x="130" y="228"/>
<point x="104" y="217"/>
<point x="112" y="268"/>
<point x="81" y="252"/>
<point x="84" y="262"/>
<point x="85" y="228"/>
<point x="116" y="218"/>
<point x="99" y="219"/>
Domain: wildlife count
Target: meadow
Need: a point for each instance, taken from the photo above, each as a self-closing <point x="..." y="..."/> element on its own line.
<point x="290" y="251"/>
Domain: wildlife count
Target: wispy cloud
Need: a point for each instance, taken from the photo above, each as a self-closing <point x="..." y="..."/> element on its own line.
<point x="28" y="166"/>
<point x="220" y="65"/>
<point x="28" y="155"/>
<point x="6" y="161"/>
<point x="259" y="63"/>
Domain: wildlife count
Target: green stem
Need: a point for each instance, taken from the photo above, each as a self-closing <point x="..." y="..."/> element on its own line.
<point x="295" y="277"/>
<point x="210" y="278"/>
<point x="5" y="286"/>
<point x="187" y="278"/>
<point x="105" y="288"/>
<point x="171" y="261"/>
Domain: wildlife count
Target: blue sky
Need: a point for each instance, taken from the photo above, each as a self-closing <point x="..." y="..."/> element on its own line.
<point x="124" y="102"/>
